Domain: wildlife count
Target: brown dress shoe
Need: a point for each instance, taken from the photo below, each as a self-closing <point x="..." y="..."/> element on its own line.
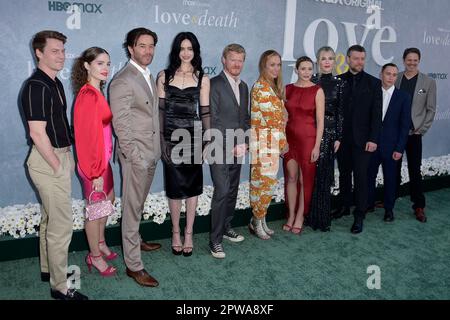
<point x="379" y="204"/>
<point x="149" y="246"/>
<point x="143" y="278"/>
<point x="420" y="215"/>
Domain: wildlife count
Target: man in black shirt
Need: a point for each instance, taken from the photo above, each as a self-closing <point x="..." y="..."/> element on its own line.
<point x="422" y="90"/>
<point x="50" y="163"/>
<point x="362" y="124"/>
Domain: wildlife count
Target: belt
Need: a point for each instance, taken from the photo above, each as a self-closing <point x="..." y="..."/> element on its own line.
<point x="62" y="150"/>
<point x="57" y="150"/>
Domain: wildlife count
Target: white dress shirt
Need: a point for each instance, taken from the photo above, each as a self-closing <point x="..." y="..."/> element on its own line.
<point x="145" y="72"/>
<point x="234" y="85"/>
<point x="387" y="95"/>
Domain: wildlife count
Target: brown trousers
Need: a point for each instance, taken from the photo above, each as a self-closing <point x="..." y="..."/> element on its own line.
<point x="135" y="187"/>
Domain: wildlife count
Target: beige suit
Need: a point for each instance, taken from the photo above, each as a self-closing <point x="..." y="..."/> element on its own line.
<point x="136" y="124"/>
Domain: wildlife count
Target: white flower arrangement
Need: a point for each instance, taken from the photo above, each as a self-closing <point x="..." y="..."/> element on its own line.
<point x="19" y="221"/>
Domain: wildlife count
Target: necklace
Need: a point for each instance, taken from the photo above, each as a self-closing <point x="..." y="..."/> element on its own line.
<point x="184" y="76"/>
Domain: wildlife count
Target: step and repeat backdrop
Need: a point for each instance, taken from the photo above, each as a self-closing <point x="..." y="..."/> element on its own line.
<point x="292" y="27"/>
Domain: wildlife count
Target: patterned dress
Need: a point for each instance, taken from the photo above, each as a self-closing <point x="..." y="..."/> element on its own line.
<point x="267" y="141"/>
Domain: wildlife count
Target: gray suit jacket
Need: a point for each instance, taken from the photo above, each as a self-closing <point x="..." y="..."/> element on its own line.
<point x="135" y="117"/>
<point x="226" y="113"/>
<point x="423" y="102"/>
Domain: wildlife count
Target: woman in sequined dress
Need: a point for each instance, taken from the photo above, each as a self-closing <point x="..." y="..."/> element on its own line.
<point x="320" y="213"/>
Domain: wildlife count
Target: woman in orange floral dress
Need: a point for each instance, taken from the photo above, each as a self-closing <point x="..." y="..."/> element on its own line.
<point x="268" y="141"/>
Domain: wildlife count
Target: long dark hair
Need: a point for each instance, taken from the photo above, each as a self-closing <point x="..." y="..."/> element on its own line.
<point x="174" y="56"/>
<point x="79" y="76"/>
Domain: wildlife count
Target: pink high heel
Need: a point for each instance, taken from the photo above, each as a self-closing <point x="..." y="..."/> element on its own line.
<point x="108" y="272"/>
<point x="111" y="256"/>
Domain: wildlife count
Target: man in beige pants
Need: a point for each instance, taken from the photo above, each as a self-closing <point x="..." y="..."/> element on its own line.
<point x="134" y="104"/>
<point x="50" y="163"/>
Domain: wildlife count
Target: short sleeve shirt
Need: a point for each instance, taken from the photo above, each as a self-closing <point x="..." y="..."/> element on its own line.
<point x="43" y="99"/>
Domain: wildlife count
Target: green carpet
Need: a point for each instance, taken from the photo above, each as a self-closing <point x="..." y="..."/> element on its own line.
<point x="414" y="259"/>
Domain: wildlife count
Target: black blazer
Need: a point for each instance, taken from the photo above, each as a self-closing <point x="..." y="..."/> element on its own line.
<point x="226" y="113"/>
<point x="364" y="107"/>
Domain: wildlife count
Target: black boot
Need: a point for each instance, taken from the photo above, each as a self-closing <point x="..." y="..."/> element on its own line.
<point x="357" y="226"/>
<point x="340" y="212"/>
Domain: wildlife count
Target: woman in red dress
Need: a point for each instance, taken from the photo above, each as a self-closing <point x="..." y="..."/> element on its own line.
<point x="93" y="141"/>
<point x="305" y="106"/>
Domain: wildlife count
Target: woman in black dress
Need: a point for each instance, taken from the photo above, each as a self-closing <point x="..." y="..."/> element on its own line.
<point x="320" y="213"/>
<point x="183" y="90"/>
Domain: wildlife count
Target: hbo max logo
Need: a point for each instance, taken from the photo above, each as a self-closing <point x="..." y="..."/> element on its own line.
<point x="438" y="76"/>
<point x="83" y="7"/>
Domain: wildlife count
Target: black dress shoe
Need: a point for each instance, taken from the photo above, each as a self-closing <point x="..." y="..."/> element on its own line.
<point x="357" y="226"/>
<point x="388" y="216"/>
<point x="370" y="209"/>
<point x="71" y="294"/>
<point x="45" y="276"/>
<point x="340" y="212"/>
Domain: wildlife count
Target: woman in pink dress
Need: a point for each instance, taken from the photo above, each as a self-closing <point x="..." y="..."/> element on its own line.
<point x="93" y="142"/>
<point x="305" y="106"/>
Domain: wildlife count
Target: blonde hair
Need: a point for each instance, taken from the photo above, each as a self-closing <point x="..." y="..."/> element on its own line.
<point x="233" y="47"/>
<point x="277" y="83"/>
<point x="319" y="53"/>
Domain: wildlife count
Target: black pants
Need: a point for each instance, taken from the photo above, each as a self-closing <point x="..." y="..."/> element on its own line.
<point x="414" y="158"/>
<point x="352" y="159"/>
<point x="225" y="179"/>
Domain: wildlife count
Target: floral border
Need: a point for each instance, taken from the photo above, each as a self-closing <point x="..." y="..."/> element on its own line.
<point x="19" y="221"/>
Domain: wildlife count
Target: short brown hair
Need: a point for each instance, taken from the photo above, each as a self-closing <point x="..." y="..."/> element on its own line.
<point x="389" y="65"/>
<point x="356" y="48"/>
<point x="411" y="50"/>
<point x="133" y="36"/>
<point x="303" y="59"/>
<point x="40" y="40"/>
<point x="233" y="47"/>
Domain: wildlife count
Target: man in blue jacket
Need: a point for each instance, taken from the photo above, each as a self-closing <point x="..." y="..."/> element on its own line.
<point x="396" y="123"/>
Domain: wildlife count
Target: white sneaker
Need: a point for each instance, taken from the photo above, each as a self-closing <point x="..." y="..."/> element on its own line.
<point x="233" y="236"/>
<point x="217" y="251"/>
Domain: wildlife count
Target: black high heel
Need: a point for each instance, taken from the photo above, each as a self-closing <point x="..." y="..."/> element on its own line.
<point x="188" y="253"/>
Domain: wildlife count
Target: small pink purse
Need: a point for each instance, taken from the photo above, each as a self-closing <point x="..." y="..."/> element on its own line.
<point x="99" y="209"/>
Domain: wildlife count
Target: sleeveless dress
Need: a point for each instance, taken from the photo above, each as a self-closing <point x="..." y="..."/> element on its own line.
<point x="93" y="140"/>
<point x="183" y="175"/>
<point x="301" y="136"/>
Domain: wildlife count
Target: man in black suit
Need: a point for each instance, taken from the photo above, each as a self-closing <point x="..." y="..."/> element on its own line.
<point x="396" y="122"/>
<point x="229" y="114"/>
<point x="362" y="124"/>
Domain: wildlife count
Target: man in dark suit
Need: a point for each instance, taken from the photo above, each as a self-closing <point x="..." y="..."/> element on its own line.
<point x="229" y="112"/>
<point x="362" y="123"/>
<point x="396" y="122"/>
<point x="422" y="90"/>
